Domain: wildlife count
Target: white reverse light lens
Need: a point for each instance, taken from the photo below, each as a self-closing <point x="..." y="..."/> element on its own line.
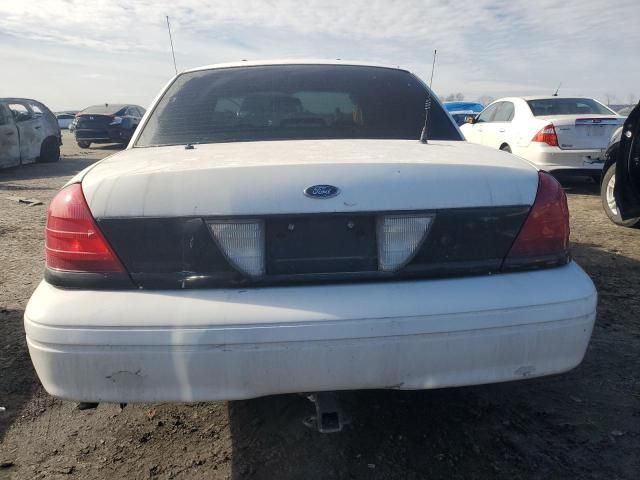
<point x="399" y="237"/>
<point x="243" y="244"/>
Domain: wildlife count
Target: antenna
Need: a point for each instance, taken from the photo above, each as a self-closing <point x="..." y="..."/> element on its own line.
<point x="556" y="92"/>
<point x="171" y="40"/>
<point x="427" y="103"/>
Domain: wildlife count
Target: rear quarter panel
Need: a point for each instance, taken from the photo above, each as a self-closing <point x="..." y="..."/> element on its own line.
<point x="525" y="125"/>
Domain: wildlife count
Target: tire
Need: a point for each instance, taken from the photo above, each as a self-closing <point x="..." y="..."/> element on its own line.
<point x="609" y="202"/>
<point x="83" y="144"/>
<point x="505" y="148"/>
<point x="49" y="150"/>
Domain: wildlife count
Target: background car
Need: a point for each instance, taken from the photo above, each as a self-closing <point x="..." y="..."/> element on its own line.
<point x="460" y="111"/>
<point x="65" y="119"/>
<point x="557" y="134"/>
<point x="107" y="123"/>
<point x="29" y="132"/>
<point x="628" y="165"/>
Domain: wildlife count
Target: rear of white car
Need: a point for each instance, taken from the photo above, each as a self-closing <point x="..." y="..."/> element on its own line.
<point x="346" y="256"/>
<point x="557" y="134"/>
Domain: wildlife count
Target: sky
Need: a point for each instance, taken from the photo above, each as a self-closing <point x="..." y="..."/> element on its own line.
<point x="73" y="53"/>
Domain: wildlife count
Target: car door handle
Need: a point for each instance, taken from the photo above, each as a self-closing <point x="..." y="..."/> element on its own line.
<point x="10" y="133"/>
<point x="501" y="130"/>
<point x="38" y="127"/>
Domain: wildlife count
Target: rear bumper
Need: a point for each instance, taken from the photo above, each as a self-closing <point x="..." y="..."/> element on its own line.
<point x="111" y="135"/>
<point x="552" y="159"/>
<point x="236" y="344"/>
<point x="91" y="135"/>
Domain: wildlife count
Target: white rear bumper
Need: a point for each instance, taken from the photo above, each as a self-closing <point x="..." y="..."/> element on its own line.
<point x="553" y="158"/>
<point x="192" y="345"/>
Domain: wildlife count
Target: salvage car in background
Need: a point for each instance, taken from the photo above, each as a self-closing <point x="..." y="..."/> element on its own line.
<point x="225" y="256"/>
<point x="557" y="134"/>
<point x="623" y="160"/>
<point x="461" y="111"/>
<point x="106" y="123"/>
<point x="29" y="133"/>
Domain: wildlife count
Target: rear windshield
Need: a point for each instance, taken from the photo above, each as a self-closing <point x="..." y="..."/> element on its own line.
<point x="567" y="106"/>
<point x="102" y="109"/>
<point x="293" y="102"/>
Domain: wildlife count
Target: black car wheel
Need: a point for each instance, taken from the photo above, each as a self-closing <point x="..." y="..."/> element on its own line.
<point x="609" y="201"/>
<point x="49" y="150"/>
<point x="83" y="144"/>
<point x="505" y="148"/>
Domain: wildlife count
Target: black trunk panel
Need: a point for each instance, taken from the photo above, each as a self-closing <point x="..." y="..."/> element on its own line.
<point x="181" y="252"/>
<point x="168" y="252"/>
<point x="471" y="234"/>
<point x="321" y="244"/>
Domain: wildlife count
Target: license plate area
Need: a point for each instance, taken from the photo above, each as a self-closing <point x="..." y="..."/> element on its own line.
<point x="596" y="131"/>
<point x="593" y="130"/>
<point x="321" y="244"/>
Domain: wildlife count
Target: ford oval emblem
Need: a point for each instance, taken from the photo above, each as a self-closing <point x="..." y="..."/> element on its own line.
<point x="321" y="191"/>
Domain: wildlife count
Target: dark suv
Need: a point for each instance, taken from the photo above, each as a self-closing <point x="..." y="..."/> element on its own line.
<point x="620" y="188"/>
<point x="107" y="123"/>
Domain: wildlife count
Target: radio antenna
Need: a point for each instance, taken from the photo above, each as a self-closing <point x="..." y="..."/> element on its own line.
<point x="173" y="53"/>
<point x="427" y="103"/>
<point x="556" y="92"/>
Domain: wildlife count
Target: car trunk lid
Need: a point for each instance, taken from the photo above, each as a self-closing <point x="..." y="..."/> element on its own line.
<point x="237" y="215"/>
<point x="268" y="178"/>
<point x="583" y="132"/>
<point x="91" y="121"/>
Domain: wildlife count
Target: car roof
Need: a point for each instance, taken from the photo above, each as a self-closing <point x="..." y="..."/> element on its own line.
<point x="539" y="97"/>
<point x="461" y="102"/>
<point x="26" y="100"/>
<point x="19" y="99"/>
<point x="260" y="63"/>
<point x="457" y="106"/>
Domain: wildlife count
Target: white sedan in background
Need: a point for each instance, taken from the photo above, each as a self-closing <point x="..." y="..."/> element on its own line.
<point x="557" y="134"/>
<point x="311" y="249"/>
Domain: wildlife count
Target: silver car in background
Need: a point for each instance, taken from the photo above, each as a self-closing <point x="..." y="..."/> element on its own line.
<point x="29" y="133"/>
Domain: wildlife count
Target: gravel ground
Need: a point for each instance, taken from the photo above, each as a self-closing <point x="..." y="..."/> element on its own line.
<point x="583" y="424"/>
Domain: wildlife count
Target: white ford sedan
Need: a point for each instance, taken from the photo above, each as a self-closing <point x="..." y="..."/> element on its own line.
<point x="278" y="227"/>
<point x="557" y="134"/>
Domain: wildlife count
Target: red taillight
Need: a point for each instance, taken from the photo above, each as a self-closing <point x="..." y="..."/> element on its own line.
<point x="545" y="233"/>
<point x="547" y="135"/>
<point x="73" y="241"/>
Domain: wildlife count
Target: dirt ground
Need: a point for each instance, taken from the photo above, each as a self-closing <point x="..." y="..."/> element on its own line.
<point x="583" y="424"/>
